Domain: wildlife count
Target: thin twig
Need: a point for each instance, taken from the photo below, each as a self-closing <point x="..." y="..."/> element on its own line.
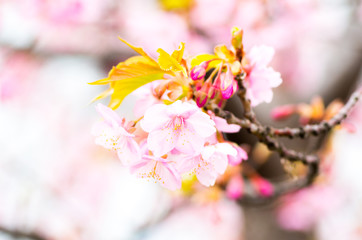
<point x="21" y="234"/>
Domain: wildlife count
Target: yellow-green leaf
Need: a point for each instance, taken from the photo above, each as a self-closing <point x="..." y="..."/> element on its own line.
<point x="130" y="75"/>
<point x="131" y="69"/>
<point x="178" y="54"/>
<point x="168" y="63"/>
<point x="176" y="5"/>
<point x="139" y="50"/>
<point x="224" y="53"/>
<point x="197" y="60"/>
<point x="125" y="86"/>
<point x="102" y="95"/>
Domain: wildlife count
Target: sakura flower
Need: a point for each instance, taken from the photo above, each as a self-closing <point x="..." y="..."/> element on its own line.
<point x="260" y="79"/>
<point x="212" y="162"/>
<point x="113" y="133"/>
<point x="181" y="126"/>
<point x="159" y="169"/>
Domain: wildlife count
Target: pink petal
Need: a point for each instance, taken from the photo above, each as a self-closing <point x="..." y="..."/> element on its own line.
<point x="261" y="55"/>
<point x="159" y="171"/>
<point x="162" y="141"/>
<point x="168" y="176"/>
<point x="202" y="124"/>
<point x="189" y="142"/>
<point x="220" y="162"/>
<point x="108" y="115"/>
<point x="223" y="126"/>
<point x="129" y="152"/>
<point x="241" y="155"/>
<point x="155" y="117"/>
<point x="206" y="174"/>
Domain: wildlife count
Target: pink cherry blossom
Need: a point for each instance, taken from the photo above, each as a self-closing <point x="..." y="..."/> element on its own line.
<point x="113" y="133"/>
<point x="212" y="162"/>
<point x="303" y="209"/>
<point x="159" y="169"/>
<point x="260" y="79"/>
<point x="181" y="126"/>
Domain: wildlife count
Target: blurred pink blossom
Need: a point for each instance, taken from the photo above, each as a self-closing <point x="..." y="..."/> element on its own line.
<point x="303" y="209"/>
<point x="234" y="189"/>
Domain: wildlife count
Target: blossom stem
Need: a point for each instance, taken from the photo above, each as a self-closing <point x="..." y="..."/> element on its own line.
<point x="21" y="234"/>
<point x="267" y="135"/>
<point x="324" y="126"/>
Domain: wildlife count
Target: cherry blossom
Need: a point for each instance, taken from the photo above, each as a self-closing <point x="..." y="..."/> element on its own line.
<point x="181" y="126"/>
<point x="260" y="79"/>
<point x="113" y="133"/>
<point x="159" y="169"/>
<point x="212" y="162"/>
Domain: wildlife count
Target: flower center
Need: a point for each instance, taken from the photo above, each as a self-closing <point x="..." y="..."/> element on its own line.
<point x="178" y="122"/>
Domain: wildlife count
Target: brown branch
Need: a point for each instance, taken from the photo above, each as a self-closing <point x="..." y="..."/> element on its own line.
<point x="281" y="188"/>
<point x="21" y="234"/>
<point x="250" y="123"/>
<point x="324" y="126"/>
<point x="263" y="136"/>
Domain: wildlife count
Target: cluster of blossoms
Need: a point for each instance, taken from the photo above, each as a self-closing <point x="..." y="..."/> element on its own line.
<point x="174" y="135"/>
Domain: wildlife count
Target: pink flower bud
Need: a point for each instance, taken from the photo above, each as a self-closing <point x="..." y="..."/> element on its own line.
<point x="212" y="92"/>
<point x="234" y="189"/>
<point x="227" y="84"/>
<point x="198" y="72"/>
<point x="282" y="112"/>
<point x="263" y="186"/>
<point x="201" y="99"/>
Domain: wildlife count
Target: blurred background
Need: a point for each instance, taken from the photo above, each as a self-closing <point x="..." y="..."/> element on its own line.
<point x="55" y="183"/>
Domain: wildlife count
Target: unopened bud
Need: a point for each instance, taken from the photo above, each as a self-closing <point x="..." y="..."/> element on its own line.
<point x="198" y="72"/>
<point x="282" y="112"/>
<point x="235" y="187"/>
<point x="201" y="99"/>
<point x="237" y="37"/>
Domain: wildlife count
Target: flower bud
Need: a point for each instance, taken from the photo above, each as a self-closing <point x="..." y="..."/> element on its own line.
<point x="237" y="37"/>
<point x="263" y="186"/>
<point x="234" y="189"/>
<point x="228" y="85"/>
<point x="282" y="112"/>
<point x="201" y="99"/>
<point x="198" y="72"/>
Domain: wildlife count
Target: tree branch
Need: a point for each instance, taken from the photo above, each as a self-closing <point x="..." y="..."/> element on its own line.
<point x="21" y="234"/>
